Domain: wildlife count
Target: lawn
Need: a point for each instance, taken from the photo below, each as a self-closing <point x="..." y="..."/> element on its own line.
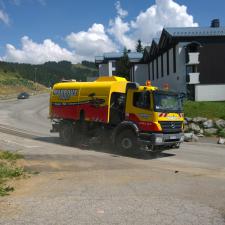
<point x="209" y="110"/>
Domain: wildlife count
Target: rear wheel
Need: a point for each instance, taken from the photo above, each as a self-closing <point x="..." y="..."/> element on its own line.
<point x="66" y="134"/>
<point x="126" y="141"/>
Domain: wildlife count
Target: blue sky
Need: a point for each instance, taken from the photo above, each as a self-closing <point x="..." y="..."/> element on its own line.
<point x="35" y="31"/>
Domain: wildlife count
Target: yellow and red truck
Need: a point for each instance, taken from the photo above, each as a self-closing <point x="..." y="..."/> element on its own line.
<point x="128" y="114"/>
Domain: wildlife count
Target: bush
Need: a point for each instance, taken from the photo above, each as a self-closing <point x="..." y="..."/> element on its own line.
<point x="221" y="133"/>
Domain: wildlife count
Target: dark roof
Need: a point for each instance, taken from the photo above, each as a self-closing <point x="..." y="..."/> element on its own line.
<point x="156" y="40"/>
<point x="195" y="31"/>
<point x="147" y="48"/>
<point x="146" y="53"/>
<point x="172" y="35"/>
<point x="112" y="55"/>
<point x="133" y="56"/>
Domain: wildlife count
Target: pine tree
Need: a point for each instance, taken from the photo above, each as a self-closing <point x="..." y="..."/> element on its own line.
<point x="123" y="65"/>
<point x="139" y="47"/>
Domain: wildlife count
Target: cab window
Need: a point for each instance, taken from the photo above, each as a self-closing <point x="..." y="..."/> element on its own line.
<point x="141" y="100"/>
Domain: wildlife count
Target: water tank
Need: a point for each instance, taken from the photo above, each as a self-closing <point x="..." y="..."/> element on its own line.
<point x="215" y="23"/>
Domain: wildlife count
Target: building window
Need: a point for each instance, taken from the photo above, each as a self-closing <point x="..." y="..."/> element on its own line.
<point x="174" y="60"/>
<point x="157" y="68"/>
<point x="142" y="100"/>
<point x="162" y="71"/>
<point x="168" y="62"/>
<point x="153" y="72"/>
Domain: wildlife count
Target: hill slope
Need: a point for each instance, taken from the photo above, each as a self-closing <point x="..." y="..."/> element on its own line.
<point x="50" y="72"/>
<point x="15" y="77"/>
<point x="11" y="83"/>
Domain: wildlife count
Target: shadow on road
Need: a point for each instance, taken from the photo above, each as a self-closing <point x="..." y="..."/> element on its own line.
<point x="108" y="148"/>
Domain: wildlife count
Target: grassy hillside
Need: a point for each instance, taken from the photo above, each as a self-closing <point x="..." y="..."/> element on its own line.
<point x="11" y="83"/>
<point x="81" y="66"/>
<point x="50" y="73"/>
<point x="205" y="109"/>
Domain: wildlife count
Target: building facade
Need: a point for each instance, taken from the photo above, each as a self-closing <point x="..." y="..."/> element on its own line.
<point x="189" y="60"/>
<point x="107" y="62"/>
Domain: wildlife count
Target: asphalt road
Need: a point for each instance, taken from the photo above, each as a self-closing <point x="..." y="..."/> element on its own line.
<point x="27" y="114"/>
<point x="98" y="185"/>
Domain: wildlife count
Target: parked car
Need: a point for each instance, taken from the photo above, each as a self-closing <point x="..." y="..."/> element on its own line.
<point x="23" y="95"/>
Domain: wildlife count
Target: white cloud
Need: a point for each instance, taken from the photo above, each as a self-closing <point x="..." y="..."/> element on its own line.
<point x="121" y="12"/>
<point x="34" y="53"/>
<point x="165" y="13"/>
<point x="90" y="43"/>
<point x="4" y="17"/>
<point x="120" y="29"/>
<point x="99" y="39"/>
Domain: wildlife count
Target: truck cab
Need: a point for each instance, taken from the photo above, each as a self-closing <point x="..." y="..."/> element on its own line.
<point x="156" y="117"/>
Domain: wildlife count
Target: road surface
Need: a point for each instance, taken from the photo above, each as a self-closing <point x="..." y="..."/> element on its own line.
<point x="99" y="185"/>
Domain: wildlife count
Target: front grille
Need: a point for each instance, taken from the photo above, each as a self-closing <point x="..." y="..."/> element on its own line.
<point x="171" y="126"/>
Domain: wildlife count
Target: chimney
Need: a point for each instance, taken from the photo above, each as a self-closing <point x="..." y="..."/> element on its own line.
<point x="215" y="23"/>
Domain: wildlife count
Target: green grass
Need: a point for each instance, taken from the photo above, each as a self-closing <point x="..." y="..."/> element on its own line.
<point x="80" y="66"/>
<point x="8" y="170"/>
<point x="5" y="190"/>
<point x="10" y="155"/>
<point x="209" y="110"/>
<point x="14" y="79"/>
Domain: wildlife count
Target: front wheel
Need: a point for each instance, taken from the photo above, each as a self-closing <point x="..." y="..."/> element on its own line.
<point x="126" y="141"/>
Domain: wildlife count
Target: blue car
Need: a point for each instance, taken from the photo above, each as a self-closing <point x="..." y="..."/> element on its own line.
<point x="23" y="95"/>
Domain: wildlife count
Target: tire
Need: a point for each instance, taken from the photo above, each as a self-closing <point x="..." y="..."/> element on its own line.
<point x="66" y="134"/>
<point x="177" y="146"/>
<point x="126" y="141"/>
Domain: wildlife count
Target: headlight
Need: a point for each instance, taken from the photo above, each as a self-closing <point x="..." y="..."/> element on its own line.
<point x="158" y="140"/>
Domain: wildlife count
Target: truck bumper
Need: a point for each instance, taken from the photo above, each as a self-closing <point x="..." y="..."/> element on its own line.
<point x="160" y="139"/>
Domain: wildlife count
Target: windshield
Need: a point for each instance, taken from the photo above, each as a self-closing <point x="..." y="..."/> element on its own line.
<point x="167" y="102"/>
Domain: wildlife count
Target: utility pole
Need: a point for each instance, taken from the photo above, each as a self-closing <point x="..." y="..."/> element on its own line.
<point x="35" y="79"/>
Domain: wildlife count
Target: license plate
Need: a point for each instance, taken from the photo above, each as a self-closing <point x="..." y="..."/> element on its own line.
<point x="173" y="137"/>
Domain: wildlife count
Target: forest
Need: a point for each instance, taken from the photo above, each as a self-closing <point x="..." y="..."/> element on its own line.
<point x="50" y="73"/>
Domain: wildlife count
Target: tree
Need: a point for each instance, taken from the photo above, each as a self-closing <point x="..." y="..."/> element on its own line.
<point x="123" y="65"/>
<point x="139" y="47"/>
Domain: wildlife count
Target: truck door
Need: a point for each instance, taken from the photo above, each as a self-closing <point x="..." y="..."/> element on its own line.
<point x="139" y="109"/>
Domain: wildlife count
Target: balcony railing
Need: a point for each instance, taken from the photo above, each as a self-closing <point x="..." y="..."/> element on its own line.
<point x="193" y="58"/>
<point x="193" y="78"/>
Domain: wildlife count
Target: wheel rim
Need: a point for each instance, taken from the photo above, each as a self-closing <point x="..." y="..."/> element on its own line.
<point x="126" y="143"/>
